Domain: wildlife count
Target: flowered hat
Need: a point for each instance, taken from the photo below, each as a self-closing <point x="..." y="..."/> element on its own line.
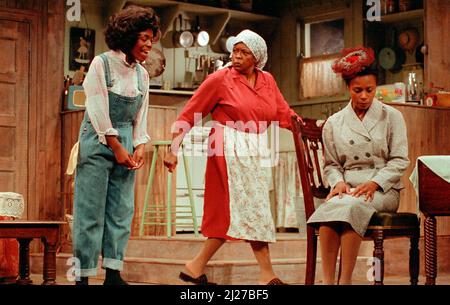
<point x="353" y="61"/>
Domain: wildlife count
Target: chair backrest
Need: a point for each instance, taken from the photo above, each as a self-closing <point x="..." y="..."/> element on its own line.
<point x="434" y="192"/>
<point x="310" y="153"/>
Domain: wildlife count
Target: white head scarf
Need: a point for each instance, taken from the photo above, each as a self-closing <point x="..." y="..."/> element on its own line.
<point x="256" y="44"/>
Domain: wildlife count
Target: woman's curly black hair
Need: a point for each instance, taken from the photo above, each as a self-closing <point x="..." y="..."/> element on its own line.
<point x="123" y="28"/>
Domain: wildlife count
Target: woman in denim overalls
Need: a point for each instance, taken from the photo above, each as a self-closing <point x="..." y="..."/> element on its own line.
<point x="111" y="144"/>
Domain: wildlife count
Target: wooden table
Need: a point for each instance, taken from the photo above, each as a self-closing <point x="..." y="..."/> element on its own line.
<point x="24" y="232"/>
<point x="434" y="200"/>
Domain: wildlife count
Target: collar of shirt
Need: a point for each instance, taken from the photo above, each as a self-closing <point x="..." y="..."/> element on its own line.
<point x="260" y="79"/>
<point x="121" y="56"/>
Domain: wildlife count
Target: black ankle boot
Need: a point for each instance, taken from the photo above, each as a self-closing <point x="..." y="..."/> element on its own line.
<point x="113" y="278"/>
<point x="84" y="280"/>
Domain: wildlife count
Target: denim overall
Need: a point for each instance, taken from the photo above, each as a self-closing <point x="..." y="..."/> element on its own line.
<point x="104" y="190"/>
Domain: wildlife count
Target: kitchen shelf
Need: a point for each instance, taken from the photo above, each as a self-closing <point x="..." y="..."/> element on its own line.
<point x="402" y="16"/>
<point x="169" y="11"/>
<point x="177" y="92"/>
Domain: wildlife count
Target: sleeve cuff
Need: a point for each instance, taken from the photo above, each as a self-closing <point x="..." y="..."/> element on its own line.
<point x="386" y="186"/>
<point x="141" y="140"/>
<point x="333" y="180"/>
<point x="108" y="132"/>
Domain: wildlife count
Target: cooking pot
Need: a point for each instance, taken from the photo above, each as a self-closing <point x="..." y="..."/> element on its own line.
<point x="227" y="43"/>
<point x="183" y="38"/>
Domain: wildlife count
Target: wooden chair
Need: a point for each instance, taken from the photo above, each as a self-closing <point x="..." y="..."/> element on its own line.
<point x="308" y="141"/>
<point x="434" y="194"/>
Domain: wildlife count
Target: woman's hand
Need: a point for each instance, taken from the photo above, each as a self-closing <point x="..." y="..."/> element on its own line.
<point x="170" y="161"/>
<point x="123" y="157"/>
<point x="339" y="189"/>
<point x="299" y="119"/>
<point x="367" y="188"/>
<point x="138" y="156"/>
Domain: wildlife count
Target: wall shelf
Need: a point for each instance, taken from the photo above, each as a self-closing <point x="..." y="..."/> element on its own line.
<point x="217" y="17"/>
<point x="402" y="16"/>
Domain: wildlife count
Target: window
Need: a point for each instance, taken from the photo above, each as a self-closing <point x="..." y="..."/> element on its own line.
<point x="322" y="42"/>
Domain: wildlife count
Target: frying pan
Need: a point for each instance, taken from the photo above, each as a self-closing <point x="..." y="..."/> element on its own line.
<point x="182" y="38"/>
<point x="155" y="63"/>
<point x="392" y="57"/>
<point x="201" y="37"/>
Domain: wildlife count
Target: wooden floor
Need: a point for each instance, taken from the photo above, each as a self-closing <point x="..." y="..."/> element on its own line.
<point x="443" y="279"/>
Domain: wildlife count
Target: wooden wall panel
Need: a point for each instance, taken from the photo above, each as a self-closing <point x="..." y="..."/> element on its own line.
<point x="437" y="38"/>
<point x="428" y="134"/>
<point x="160" y="120"/>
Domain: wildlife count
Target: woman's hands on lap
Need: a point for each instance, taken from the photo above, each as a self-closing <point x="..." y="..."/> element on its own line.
<point x="366" y="189"/>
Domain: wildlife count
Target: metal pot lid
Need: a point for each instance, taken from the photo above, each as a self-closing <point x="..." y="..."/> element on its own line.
<point x="202" y="38"/>
<point x="230" y="43"/>
<point x="155" y="63"/>
<point x="387" y="58"/>
<point x="186" y="39"/>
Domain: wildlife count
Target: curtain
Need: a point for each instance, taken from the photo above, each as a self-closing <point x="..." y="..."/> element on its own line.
<point x="317" y="79"/>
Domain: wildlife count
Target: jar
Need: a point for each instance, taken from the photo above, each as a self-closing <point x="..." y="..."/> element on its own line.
<point x="405" y="5"/>
<point x="389" y="7"/>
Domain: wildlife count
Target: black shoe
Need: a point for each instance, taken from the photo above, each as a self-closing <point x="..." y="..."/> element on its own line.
<point x="113" y="278"/>
<point x="84" y="281"/>
<point x="201" y="280"/>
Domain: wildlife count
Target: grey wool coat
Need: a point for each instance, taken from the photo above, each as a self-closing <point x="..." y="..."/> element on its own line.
<point x="374" y="149"/>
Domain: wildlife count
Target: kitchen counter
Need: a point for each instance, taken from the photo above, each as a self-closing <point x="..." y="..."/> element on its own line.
<point x="171" y="92"/>
<point x="428" y="134"/>
<point x="169" y="97"/>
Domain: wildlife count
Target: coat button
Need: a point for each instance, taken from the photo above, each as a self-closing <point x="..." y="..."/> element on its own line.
<point x="356" y="157"/>
<point x="368" y="155"/>
<point x="372" y="166"/>
<point x="352" y="142"/>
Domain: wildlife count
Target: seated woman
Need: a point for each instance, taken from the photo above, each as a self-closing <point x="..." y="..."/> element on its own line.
<point x="366" y="153"/>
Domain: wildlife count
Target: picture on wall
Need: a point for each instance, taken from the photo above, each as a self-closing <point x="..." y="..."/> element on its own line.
<point x="82" y="46"/>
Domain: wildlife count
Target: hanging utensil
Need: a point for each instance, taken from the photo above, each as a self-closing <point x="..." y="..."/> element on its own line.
<point x="201" y="37"/>
<point x="183" y="38"/>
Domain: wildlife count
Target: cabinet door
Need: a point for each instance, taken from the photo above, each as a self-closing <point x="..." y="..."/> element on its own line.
<point x="437" y="38"/>
<point x="14" y="101"/>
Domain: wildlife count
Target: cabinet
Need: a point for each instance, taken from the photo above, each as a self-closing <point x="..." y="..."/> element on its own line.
<point x="432" y="22"/>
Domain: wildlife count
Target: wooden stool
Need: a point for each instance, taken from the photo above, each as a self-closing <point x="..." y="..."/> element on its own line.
<point x="168" y="207"/>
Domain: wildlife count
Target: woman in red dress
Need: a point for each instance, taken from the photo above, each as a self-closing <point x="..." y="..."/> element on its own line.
<point x="243" y="101"/>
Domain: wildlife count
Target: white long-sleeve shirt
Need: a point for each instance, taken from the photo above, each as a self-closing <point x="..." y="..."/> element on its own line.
<point x="125" y="83"/>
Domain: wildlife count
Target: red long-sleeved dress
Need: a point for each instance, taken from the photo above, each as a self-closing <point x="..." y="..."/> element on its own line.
<point x="228" y="96"/>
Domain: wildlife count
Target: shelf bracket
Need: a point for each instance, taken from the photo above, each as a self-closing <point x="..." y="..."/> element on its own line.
<point x="113" y="7"/>
<point x="218" y="25"/>
<point x="167" y="17"/>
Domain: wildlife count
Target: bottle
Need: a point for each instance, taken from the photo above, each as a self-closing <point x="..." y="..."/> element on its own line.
<point x="390" y="7"/>
<point x="412" y="89"/>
